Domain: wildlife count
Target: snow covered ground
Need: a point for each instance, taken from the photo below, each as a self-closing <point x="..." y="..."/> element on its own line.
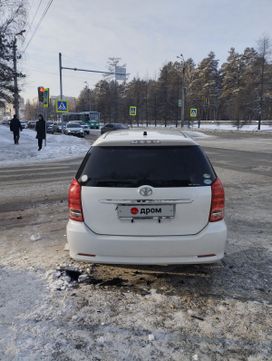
<point x="213" y="126"/>
<point x="220" y="126"/>
<point x="58" y="146"/>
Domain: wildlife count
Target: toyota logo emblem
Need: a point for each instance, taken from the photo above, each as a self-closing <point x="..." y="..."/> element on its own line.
<point x="145" y="191"/>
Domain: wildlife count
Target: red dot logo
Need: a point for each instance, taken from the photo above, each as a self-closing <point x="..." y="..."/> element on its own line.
<point x="134" y="210"/>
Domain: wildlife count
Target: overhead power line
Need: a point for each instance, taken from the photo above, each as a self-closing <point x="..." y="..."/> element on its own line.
<point x="36" y="12"/>
<point x="38" y="24"/>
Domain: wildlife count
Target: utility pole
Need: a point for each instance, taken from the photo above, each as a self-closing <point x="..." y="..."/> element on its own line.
<point x="119" y="71"/>
<point x="182" y="108"/>
<point x="60" y="73"/>
<point x="16" y="91"/>
<point x="15" y="75"/>
<point x="183" y="97"/>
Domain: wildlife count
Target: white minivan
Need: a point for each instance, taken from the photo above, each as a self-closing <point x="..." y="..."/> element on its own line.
<point x="146" y="197"/>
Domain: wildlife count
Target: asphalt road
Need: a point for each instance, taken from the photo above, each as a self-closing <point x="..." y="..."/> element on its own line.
<point x="243" y="161"/>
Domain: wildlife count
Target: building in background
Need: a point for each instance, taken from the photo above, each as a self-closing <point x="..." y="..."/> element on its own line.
<point x="7" y="111"/>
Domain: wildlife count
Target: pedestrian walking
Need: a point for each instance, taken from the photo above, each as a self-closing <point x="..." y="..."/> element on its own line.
<point x="40" y="129"/>
<point x="15" y="127"/>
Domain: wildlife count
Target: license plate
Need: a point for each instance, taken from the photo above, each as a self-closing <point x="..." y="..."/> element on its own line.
<point x="145" y="211"/>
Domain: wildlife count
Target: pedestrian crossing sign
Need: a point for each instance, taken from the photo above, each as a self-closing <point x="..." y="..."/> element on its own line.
<point x="132" y="111"/>
<point x="62" y="106"/>
<point x="193" y="112"/>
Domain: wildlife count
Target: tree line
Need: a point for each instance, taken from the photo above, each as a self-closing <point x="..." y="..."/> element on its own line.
<point x="239" y="90"/>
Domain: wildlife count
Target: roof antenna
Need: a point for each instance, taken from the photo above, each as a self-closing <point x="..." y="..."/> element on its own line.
<point x="145" y="133"/>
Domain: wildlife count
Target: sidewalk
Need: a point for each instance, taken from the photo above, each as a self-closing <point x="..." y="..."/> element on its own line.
<point x="58" y="147"/>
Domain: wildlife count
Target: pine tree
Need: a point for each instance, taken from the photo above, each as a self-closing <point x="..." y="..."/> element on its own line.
<point x="86" y="100"/>
<point x="264" y="49"/>
<point x="205" y="87"/>
<point x="232" y="85"/>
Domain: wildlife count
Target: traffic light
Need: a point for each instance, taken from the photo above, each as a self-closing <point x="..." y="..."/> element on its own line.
<point x="41" y="93"/>
<point x="46" y="98"/>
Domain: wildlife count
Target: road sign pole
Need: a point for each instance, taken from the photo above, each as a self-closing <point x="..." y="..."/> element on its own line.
<point x="60" y="73"/>
<point x="182" y="103"/>
<point x="193" y="116"/>
<point x="45" y="119"/>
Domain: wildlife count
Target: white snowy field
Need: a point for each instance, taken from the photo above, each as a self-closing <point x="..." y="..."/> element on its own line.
<point x="218" y="126"/>
<point x="246" y="128"/>
<point x="58" y="147"/>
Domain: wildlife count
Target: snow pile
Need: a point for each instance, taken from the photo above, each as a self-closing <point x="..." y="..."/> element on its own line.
<point x="58" y="147"/>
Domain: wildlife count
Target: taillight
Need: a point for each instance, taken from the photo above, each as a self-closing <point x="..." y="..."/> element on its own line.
<point x="74" y="202"/>
<point x="217" y="202"/>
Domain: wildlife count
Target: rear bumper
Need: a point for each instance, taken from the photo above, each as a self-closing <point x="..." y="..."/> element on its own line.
<point x="205" y="247"/>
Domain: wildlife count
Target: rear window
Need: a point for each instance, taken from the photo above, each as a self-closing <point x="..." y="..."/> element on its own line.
<point x="174" y="166"/>
<point x="73" y="125"/>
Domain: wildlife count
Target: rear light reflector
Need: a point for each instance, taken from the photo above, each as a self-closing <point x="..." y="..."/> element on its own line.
<point x="74" y="201"/>
<point x="217" y="201"/>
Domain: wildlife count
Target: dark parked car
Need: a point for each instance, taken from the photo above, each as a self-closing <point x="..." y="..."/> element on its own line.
<point x="113" y="126"/>
<point x="51" y="127"/>
<point x="23" y="124"/>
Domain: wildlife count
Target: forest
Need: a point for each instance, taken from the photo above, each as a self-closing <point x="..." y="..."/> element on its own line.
<point x="239" y="90"/>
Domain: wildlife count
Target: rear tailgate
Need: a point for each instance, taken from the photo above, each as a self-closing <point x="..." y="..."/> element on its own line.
<point x="190" y="205"/>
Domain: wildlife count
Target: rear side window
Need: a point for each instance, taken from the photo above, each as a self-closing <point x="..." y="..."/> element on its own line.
<point x="173" y="166"/>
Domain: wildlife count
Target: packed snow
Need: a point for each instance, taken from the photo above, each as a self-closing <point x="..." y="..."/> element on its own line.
<point x="58" y="147"/>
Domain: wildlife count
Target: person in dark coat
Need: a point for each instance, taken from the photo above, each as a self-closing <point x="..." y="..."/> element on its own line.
<point x="15" y="127"/>
<point x="40" y="129"/>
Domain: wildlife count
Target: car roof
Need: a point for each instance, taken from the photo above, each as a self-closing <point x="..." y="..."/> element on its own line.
<point x="143" y="137"/>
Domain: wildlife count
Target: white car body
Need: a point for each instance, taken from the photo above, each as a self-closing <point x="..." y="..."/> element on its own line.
<point x="146" y="224"/>
<point x="73" y="128"/>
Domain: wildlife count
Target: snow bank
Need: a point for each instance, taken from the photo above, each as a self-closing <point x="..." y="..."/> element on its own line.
<point x="247" y="127"/>
<point x="194" y="134"/>
<point x="58" y="147"/>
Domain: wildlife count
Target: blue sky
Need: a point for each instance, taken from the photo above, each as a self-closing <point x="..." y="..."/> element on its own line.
<point x="146" y="34"/>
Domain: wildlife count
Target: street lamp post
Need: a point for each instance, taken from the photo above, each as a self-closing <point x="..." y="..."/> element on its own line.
<point x="182" y="109"/>
<point x="16" y="90"/>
